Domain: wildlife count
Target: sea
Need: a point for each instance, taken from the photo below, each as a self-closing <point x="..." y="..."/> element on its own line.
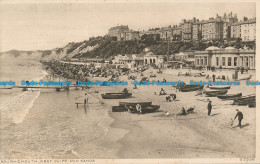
<point x="44" y="123"/>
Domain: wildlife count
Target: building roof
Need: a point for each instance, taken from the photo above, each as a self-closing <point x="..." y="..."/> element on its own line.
<point x="244" y="22"/>
<point x="230" y="48"/>
<point x="212" y="48"/>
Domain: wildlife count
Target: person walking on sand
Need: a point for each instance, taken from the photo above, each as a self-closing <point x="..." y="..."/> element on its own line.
<point x="239" y="116"/>
<point x="209" y="107"/>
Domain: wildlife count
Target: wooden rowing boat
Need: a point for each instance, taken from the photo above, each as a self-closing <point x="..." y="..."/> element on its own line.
<point x="229" y="96"/>
<point x="116" y="95"/>
<point x="189" y="88"/>
<point x="144" y="109"/>
<point x="244" y="100"/>
<point x="214" y="93"/>
<point x="246" y="78"/>
<point x="219" y="87"/>
<point x="133" y="104"/>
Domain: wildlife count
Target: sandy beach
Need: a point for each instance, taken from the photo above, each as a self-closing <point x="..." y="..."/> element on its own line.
<point x="55" y="128"/>
<point x="197" y="135"/>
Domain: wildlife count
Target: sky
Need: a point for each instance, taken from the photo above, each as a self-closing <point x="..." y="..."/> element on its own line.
<point x="44" y="26"/>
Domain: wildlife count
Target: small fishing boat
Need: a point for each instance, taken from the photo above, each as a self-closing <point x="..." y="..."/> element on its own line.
<point x="245" y="78"/>
<point x="214" y="93"/>
<point x="133" y="104"/>
<point x="229" y="96"/>
<point x="120" y="95"/>
<point x="201" y="74"/>
<point x="146" y="109"/>
<point x="244" y="100"/>
<point x="188" y="88"/>
<point x="132" y="109"/>
<point x="219" y="87"/>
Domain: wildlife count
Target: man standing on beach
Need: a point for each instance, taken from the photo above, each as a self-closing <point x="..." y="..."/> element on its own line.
<point x="239" y="115"/>
<point x="214" y="77"/>
<point x="86" y="99"/>
<point x="209" y="108"/>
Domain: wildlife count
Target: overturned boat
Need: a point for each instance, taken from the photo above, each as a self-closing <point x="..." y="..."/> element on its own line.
<point x="245" y="100"/>
<point x="214" y="93"/>
<point x="229" y="96"/>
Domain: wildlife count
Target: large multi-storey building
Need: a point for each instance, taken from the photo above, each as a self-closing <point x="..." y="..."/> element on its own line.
<point x="197" y="31"/>
<point x="212" y="29"/>
<point x="150" y="35"/>
<point x="130" y="35"/>
<point x="248" y="30"/>
<point x="116" y="31"/>
<point x="166" y="33"/>
<point x="236" y="30"/>
<point x="187" y="26"/>
<point x="228" y="20"/>
<point x="176" y="33"/>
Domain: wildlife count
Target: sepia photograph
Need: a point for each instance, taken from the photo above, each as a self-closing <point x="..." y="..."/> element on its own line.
<point x="96" y="82"/>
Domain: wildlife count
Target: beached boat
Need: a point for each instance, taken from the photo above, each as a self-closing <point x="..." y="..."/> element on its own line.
<point x="245" y="100"/>
<point x="132" y="109"/>
<point x="229" y="96"/>
<point x="133" y="104"/>
<point x="245" y="78"/>
<point x="201" y="74"/>
<point x="116" y="95"/>
<point x="219" y="87"/>
<point x="146" y="109"/>
<point x="189" y="88"/>
<point x="213" y="93"/>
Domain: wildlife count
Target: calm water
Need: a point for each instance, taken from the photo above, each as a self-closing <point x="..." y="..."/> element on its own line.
<point x="45" y="123"/>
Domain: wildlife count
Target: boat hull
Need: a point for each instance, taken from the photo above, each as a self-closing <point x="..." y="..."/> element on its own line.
<point x="244" y="100"/>
<point x="189" y="88"/>
<point x="219" y="87"/>
<point x="133" y="104"/>
<point x="229" y="96"/>
<point x="116" y="95"/>
<point x="145" y="109"/>
<point x="215" y="93"/>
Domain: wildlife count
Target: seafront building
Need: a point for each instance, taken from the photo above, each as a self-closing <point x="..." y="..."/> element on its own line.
<point x="225" y="58"/>
<point x="246" y="30"/>
<point x="218" y="28"/>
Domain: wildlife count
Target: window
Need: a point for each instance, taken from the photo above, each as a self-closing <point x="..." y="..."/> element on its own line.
<point x="235" y="61"/>
<point x="153" y="60"/>
<point x="223" y="61"/>
<point x="198" y="61"/>
<point x="246" y="61"/>
<point x="206" y="60"/>
<point x="217" y="61"/>
<point x="229" y="61"/>
<point x="201" y="61"/>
